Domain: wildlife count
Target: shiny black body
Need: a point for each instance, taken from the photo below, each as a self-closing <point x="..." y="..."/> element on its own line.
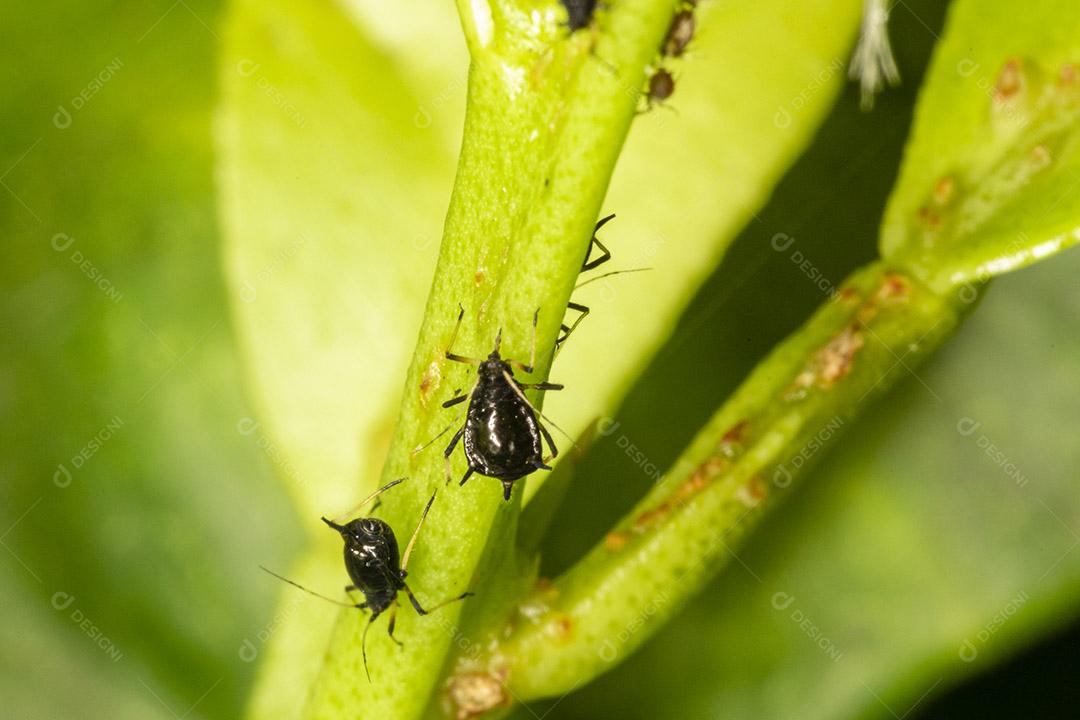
<point x="579" y="13"/>
<point x="372" y="561"/>
<point x="375" y="567"/>
<point x="502" y="434"/>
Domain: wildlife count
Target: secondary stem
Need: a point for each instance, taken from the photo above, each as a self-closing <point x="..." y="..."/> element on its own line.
<point x="878" y="326"/>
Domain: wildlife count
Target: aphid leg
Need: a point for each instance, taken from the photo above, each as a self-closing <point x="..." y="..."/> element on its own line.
<point x="542" y="416"/>
<point x="508" y="488"/>
<point x="459" y="358"/>
<point x="458" y="399"/>
<point x="566" y="331"/>
<point x="390" y="626"/>
<point x="349" y="590"/>
<point x="541" y="386"/>
<point x="550" y="441"/>
<point x="362" y="503"/>
<point x="416" y="532"/>
<point x="450" y="449"/>
<point x="589" y="265"/>
<point x="532" y="354"/>
<point x="421" y="611"/>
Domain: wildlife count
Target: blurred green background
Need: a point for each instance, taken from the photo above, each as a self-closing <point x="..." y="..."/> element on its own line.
<point x="140" y="488"/>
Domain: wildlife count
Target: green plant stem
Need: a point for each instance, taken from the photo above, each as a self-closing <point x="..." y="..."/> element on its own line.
<point x="547" y="115"/>
<point x="871" y="334"/>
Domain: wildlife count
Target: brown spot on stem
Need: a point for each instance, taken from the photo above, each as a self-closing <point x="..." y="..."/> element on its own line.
<point x="829" y="364"/>
<point x="849" y="295"/>
<point x="650" y="517"/>
<point x="893" y="288"/>
<point x="835" y="359"/>
<point x="474" y="694"/>
<point x="1067" y="76"/>
<point x="732" y="441"/>
<point x="752" y="493"/>
<point x="429" y="381"/>
<point x="700" y="479"/>
<point x="1010" y="80"/>
<point x="563" y="626"/>
<point x="615" y="541"/>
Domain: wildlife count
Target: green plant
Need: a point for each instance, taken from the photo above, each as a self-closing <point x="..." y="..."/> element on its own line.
<point x="355" y="129"/>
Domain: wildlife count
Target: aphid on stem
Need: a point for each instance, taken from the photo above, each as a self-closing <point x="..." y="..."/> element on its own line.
<point x="372" y="561"/>
<point x="502" y="434"/>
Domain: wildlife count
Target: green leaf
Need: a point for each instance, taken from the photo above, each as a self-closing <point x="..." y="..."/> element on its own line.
<point x="129" y="483"/>
<point x="994" y="158"/>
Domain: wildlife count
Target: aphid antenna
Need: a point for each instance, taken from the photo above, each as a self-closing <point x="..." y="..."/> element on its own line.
<point x="412" y="541"/>
<point x="421" y="448"/>
<point x="363" y="502"/>
<point x="609" y="274"/>
<point x="310" y="592"/>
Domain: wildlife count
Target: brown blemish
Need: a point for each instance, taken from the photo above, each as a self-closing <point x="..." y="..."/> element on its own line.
<point x="615" y="541"/>
<point x="831" y="363"/>
<point x="1010" y="80"/>
<point x="474" y="694"/>
<point x="651" y="516"/>
<point x="893" y="288"/>
<point x="732" y="440"/>
<point x="943" y="190"/>
<point x="1067" y="76"/>
<point x="429" y="381"/>
<point x="752" y="493"/>
<point x="1040" y="155"/>
<point x="930" y="218"/>
<point x="835" y="359"/>
<point x="564" y="627"/>
<point x="478" y="276"/>
<point x="702" y="476"/>
<point x="849" y="295"/>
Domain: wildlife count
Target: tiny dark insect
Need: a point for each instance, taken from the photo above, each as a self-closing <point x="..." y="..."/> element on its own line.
<point x="587" y="265"/>
<point x="502" y="430"/>
<point x="680" y="33"/>
<point x="371" y="559"/>
<point x="661" y="86"/>
<point x="579" y="13"/>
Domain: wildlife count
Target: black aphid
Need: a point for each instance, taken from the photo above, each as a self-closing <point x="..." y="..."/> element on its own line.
<point x="578" y="13"/>
<point x="502" y="430"/>
<point x="661" y="87"/>
<point x="680" y="33"/>
<point x="587" y="265"/>
<point x="371" y="559"/>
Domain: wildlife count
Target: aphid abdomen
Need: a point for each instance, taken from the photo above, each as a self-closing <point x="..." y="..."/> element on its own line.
<point x="502" y="440"/>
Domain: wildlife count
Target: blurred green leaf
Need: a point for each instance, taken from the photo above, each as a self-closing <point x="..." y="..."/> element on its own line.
<point x="994" y="158"/>
<point x="130" y="485"/>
